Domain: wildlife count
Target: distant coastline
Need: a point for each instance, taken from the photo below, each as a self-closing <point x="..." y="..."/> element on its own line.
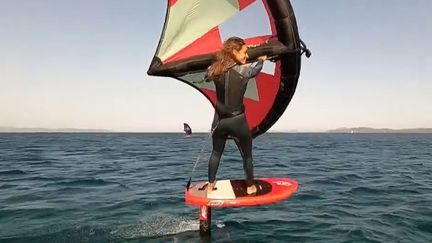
<point x="379" y="130"/>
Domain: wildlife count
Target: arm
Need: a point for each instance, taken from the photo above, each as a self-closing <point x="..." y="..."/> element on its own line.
<point x="254" y="69"/>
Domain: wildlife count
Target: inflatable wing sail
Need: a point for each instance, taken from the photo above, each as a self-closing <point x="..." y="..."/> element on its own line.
<point x="187" y="129"/>
<point x="191" y="37"/>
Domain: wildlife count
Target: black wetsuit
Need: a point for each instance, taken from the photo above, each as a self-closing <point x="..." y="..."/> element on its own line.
<point x="229" y="118"/>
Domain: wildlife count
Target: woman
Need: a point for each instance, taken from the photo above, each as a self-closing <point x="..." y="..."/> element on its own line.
<point x="230" y="74"/>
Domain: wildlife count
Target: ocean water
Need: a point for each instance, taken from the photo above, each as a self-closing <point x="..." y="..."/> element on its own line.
<point x="124" y="187"/>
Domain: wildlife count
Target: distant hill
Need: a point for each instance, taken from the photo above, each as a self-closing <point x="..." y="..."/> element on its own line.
<point x="64" y="130"/>
<point x="379" y="130"/>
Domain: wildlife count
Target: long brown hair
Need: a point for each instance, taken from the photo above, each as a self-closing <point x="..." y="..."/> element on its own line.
<point x="224" y="57"/>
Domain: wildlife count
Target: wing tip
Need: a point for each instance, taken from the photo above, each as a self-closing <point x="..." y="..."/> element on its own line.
<point x="154" y="66"/>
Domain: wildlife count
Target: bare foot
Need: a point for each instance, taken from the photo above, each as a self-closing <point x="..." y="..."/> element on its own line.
<point x="210" y="187"/>
<point x="251" y="189"/>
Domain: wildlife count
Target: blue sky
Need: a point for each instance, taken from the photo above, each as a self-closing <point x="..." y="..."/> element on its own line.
<point x="83" y="64"/>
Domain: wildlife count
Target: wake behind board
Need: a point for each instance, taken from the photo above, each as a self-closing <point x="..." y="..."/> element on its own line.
<point x="232" y="193"/>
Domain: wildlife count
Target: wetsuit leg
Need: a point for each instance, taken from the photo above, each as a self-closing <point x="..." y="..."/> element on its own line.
<point x="219" y="140"/>
<point x="238" y="128"/>
<point x="244" y="143"/>
<point x="243" y="138"/>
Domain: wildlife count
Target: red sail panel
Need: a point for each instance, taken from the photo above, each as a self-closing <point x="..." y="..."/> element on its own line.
<point x="208" y="43"/>
<point x="258" y="40"/>
<point x="244" y="3"/>
<point x="268" y="86"/>
<point x="171" y="2"/>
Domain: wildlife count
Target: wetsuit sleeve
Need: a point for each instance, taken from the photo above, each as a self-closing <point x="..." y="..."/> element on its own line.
<point x="254" y="69"/>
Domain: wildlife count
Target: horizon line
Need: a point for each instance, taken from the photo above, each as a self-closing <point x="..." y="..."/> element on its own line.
<point x="4" y="129"/>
